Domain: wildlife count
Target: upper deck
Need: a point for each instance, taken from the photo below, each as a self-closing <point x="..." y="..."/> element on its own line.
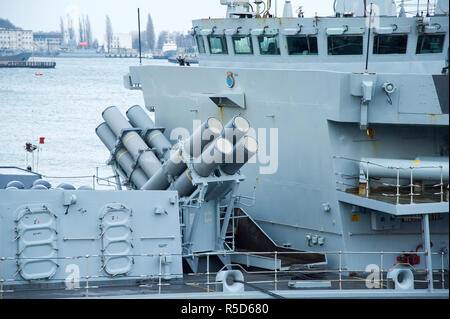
<point x="415" y="45"/>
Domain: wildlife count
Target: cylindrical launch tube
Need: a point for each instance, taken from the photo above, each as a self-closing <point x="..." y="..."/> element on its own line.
<point x="235" y="129"/>
<point x="213" y="155"/>
<point x="175" y="165"/>
<point x="183" y="184"/>
<point x="206" y="133"/>
<point x="244" y="150"/>
<point x="132" y="141"/>
<point x="123" y="157"/>
<point x="155" y="139"/>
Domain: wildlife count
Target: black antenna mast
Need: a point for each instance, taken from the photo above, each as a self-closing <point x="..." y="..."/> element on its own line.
<point x="368" y="38"/>
<point x="139" y="31"/>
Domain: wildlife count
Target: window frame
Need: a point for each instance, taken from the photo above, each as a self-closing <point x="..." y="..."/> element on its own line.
<point x="307" y="37"/>
<point x="276" y="36"/>
<point x="223" y="42"/>
<point x="197" y="38"/>
<point x="346" y="35"/>
<point x="233" y="37"/>
<point x="442" y="35"/>
<point x="377" y="36"/>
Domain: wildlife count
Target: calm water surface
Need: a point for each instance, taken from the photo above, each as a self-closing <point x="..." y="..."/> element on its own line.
<point x="64" y="105"/>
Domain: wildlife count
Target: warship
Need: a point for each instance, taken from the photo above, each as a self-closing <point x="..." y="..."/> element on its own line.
<point x="13" y="56"/>
<point x="303" y="157"/>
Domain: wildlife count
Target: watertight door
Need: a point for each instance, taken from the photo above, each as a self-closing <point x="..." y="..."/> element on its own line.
<point x="116" y="237"/>
<point x="36" y="237"/>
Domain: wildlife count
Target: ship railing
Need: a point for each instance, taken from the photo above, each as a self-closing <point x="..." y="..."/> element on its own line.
<point x="411" y="186"/>
<point x="418" y="7"/>
<point x="374" y="276"/>
<point x="95" y="179"/>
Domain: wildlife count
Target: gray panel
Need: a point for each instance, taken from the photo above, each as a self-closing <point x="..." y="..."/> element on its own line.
<point x="441" y="84"/>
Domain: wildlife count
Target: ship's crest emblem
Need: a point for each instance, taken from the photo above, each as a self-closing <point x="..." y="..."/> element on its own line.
<point x="230" y="79"/>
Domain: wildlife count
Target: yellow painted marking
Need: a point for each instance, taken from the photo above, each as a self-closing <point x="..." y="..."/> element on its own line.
<point x="187" y="174"/>
<point x="365" y="280"/>
<point x="200" y="287"/>
<point x="179" y="155"/>
<point x="416" y="162"/>
<point x="151" y="137"/>
<point x="118" y="159"/>
<point x="134" y="135"/>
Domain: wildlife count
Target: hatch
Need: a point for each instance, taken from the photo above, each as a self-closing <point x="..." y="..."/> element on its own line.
<point x="116" y="239"/>
<point x="36" y="237"/>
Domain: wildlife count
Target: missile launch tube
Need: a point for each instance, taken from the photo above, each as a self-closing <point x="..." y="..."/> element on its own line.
<point x="426" y="169"/>
<point x="217" y="150"/>
<point x="123" y="158"/>
<point x="132" y="141"/>
<point x="206" y="133"/>
<point x="155" y="139"/>
<point x="235" y="129"/>
<point x="213" y="156"/>
<point x="183" y="184"/>
<point x="175" y="165"/>
<point x="243" y="151"/>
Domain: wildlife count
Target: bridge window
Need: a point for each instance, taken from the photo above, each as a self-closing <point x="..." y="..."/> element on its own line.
<point x="200" y="44"/>
<point x="345" y="45"/>
<point x="268" y="45"/>
<point x="302" y="45"/>
<point x="218" y="44"/>
<point x="242" y="45"/>
<point x="430" y="43"/>
<point x="390" y="44"/>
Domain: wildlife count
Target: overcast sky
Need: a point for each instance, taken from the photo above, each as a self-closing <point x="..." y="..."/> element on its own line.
<point x="172" y="15"/>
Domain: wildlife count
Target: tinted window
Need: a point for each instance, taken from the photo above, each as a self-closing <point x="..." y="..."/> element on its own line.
<point x="268" y="45"/>
<point x="345" y="45"/>
<point x="200" y="44"/>
<point x="302" y="45"/>
<point x="242" y="45"/>
<point x="430" y="43"/>
<point x="390" y="44"/>
<point x="217" y="44"/>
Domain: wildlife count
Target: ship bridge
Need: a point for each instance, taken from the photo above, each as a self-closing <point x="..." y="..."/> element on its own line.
<point x="380" y="37"/>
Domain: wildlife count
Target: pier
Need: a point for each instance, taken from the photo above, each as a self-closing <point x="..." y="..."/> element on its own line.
<point x="29" y="64"/>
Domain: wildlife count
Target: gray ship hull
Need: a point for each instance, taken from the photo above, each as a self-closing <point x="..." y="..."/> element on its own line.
<point x="316" y="119"/>
<point x="20" y="57"/>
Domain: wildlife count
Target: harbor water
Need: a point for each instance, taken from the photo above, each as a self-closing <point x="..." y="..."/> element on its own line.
<point x="64" y="106"/>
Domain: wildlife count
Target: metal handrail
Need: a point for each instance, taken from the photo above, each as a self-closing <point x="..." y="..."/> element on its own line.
<point x="276" y="272"/>
<point x="411" y="184"/>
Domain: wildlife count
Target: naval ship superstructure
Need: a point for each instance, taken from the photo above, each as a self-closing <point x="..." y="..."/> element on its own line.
<point x="358" y="107"/>
<point x="302" y="158"/>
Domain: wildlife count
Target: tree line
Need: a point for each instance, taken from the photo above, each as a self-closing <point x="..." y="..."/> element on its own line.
<point x="82" y="35"/>
<point x="149" y="41"/>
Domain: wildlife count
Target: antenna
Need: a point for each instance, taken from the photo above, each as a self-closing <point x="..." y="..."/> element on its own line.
<point x="368" y="38"/>
<point x="139" y="31"/>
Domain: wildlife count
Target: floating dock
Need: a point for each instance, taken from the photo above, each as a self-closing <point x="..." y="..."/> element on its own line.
<point x="29" y="64"/>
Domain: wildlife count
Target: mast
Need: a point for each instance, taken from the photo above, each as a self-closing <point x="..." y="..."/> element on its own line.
<point x="368" y="38"/>
<point x="139" y="31"/>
